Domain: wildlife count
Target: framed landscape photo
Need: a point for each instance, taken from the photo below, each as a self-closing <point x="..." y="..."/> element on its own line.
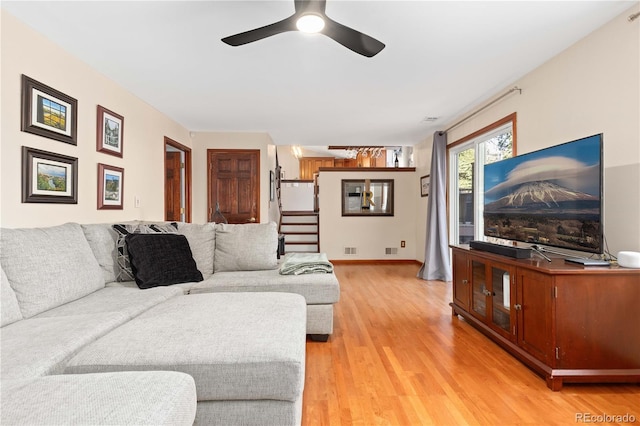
<point x="424" y="185"/>
<point x="110" y="187"/>
<point x="110" y="132"/>
<point x="48" y="112"/>
<point x="48" y="177"/>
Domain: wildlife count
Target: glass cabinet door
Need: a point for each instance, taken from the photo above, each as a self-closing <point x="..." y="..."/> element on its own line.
<point x="479" y="292"/>
<point x="501" y="298"/>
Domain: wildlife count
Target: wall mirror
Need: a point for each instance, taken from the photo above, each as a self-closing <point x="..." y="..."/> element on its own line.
<point x="367" y="197"/>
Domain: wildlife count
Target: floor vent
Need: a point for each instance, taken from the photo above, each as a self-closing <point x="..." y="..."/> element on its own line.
<point x="350" y="250"/>
<point x="391" y="250"/>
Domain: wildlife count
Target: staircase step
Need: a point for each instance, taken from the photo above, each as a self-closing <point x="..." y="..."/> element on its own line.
<point x="299" y="213"/>
<point x="310" y="243"/>
<point x="299" y="233"/>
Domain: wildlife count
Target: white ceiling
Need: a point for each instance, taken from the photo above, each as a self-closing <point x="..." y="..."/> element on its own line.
<point x="442" y="58"/>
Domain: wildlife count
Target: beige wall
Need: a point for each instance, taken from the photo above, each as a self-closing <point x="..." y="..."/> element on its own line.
<point x="202" y="141"/>
<point x="592" y="87"/>
<point x="290" y="164"/>
<point x="369" y="235"/>
<point x="27" y="52"/>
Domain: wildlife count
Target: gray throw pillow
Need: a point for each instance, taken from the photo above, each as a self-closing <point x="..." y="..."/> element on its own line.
<point x="250" y="247"/>
<point x="48" y="267"/>
<point x="9" y="308"/>
<point x="202" y="240"/>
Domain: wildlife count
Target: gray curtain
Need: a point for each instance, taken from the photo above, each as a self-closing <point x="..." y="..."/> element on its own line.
<point x="436" y="257"/>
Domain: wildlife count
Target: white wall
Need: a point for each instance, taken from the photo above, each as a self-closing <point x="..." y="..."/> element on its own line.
<point x="592" y="87"/>
<point x="369" y="235"/>
<point x="26" y="52"/>
<point x="297" y="196"/>
<point x="202" y="141"/>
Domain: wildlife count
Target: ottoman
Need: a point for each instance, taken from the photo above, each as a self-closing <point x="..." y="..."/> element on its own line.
<point x="321" y="292"/>
<point x="245" y="352"/>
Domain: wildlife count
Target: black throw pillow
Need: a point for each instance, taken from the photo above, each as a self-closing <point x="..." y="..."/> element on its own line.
<point x="161" y="259"/>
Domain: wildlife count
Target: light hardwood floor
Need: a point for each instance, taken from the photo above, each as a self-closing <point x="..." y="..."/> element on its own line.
<point x="398" y="357"/>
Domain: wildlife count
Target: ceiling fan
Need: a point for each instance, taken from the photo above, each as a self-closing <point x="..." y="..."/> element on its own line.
<point x="310" y="17"/>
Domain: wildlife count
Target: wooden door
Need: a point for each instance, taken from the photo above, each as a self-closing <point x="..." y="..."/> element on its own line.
<point x="172" y="186"/>
<point x="234" y="183"/>
<point x="533" y="310"/>
<point x="461" y="292"/>
<point x="177" y="188"/>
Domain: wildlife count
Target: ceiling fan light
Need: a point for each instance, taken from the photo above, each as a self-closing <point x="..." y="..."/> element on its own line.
<point x="310" y="23"/>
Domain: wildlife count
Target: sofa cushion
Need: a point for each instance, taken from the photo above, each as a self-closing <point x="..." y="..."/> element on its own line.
<point x="42" y="346"/>
<point x="102" y="240"/>
<point x="130" y="302"/>
<point x="237" y="346"/>
<point x="9" y="308"/>
<point x="183" y="287"/>
<point x="123" y="266"/>
<point x="202" y="240"/>
<point x="247" y="247"/>
<point x="161" y="259"/>
<point x="129" y="398"/>
<point x="316" y="288"/>
<point x="47" y="267"/>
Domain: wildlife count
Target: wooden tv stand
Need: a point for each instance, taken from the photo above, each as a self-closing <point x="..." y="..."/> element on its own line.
<point x="567" y="322"/>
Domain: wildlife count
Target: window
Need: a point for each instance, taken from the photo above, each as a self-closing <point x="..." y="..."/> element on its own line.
<point x="467" y="158"/>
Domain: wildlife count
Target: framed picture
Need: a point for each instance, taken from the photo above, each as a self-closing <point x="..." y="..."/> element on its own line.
<point x="110" y="187"/>
<point x="424" y="186"/>
<point x="367" y="197"/>
<point x="110" y="132"/>
<point x="48" y="177"/>
<point x="48" y="112"/>
<point x="272" y="185"/>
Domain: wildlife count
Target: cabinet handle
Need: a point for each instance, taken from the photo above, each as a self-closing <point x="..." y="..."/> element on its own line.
<point x="517" y="307"/>
<point x="487" y="293"/>
<point x="465" y="281"/>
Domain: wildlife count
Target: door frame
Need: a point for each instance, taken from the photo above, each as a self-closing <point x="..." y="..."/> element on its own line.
<point x="187" y="175"/>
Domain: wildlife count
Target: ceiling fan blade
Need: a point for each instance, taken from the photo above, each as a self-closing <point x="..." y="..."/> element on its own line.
<point x="352" y="39"/>
<point x="288" y="24"/>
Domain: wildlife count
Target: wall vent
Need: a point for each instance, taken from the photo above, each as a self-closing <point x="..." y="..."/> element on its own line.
<point x="350" y="250"/>
<point x="391" y="250"/>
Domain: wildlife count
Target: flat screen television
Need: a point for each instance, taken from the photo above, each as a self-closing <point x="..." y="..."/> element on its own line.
<point x="550" y="197"/>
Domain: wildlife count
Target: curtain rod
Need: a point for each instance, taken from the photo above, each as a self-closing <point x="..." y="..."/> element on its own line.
<point x="513" y="89"/>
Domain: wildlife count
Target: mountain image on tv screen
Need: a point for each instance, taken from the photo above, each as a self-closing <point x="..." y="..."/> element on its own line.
<point x="550" y="197"/>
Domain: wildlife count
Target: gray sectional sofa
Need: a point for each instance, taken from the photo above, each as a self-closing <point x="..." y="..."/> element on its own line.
<point x="78" y="346"/>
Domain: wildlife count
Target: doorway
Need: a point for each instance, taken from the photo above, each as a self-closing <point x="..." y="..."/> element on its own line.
<point x="234" y="184"/>
<point x="177" y="181"/>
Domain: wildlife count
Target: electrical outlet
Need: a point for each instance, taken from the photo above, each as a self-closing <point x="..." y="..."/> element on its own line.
<point x="136" y="201"/>
<point x="403" y="243"/>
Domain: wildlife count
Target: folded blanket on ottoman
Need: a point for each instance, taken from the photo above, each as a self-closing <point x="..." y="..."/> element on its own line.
<point x="305" y="263"/>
